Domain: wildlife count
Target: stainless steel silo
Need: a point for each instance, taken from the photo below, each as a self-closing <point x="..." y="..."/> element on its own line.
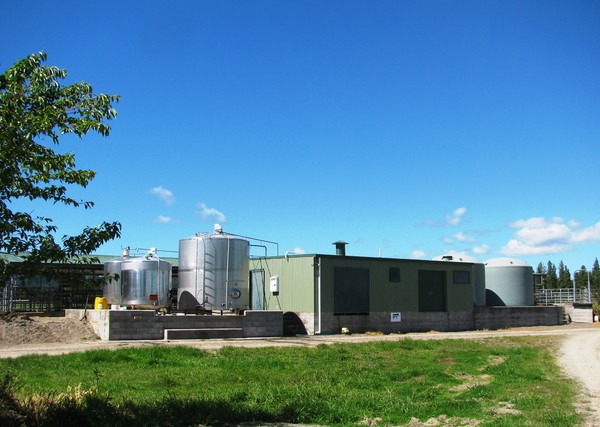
<point x="213" y="272"/>
<point x="509" y="282"/>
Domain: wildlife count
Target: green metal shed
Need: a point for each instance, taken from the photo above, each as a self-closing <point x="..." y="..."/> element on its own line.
<point x="326" y="293"/>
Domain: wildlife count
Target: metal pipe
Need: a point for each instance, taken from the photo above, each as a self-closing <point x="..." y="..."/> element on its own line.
<point x="227" y="275"/>
<point x="260" y="246"/>
<point x="589" y="289"/>
<point x="318" y="331"/>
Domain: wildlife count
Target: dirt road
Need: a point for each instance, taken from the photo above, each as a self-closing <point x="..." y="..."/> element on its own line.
<point x="580" y="359"/>
<point x="579" y="354"/>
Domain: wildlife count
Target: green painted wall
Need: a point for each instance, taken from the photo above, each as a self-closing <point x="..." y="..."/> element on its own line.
<point x="298" y="281"/>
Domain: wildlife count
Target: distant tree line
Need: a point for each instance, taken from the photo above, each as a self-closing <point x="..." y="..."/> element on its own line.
<point x="561" y="277"/>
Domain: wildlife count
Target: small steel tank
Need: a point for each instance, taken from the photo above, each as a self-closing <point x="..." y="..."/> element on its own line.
<point x="141" y="281"/>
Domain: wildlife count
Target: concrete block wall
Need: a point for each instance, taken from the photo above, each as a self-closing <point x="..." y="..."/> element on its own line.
<point x="126" y="325"/>
<point x="262" y="323"/>
<point x="134" y="325"/>
<point x="512" y="317"/>
<point x="479" y="318"/>
<point x="406" y="322"/>
<point x="192" y="321"/>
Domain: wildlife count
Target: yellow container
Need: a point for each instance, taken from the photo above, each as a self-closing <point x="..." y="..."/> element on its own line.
<point x="101" y="303"/>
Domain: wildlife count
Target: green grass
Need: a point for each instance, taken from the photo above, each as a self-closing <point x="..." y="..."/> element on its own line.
<point x="501" y="382"/>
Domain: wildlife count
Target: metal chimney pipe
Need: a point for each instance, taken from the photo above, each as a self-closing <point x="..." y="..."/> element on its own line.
<point x="340" y="247"/>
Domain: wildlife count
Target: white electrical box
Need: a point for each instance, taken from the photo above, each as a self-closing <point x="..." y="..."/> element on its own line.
<point x="274" y="285"/>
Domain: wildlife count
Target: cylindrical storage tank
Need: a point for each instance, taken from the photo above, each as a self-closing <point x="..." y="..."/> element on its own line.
<point x="509" y="282"/>
<point x="112" y="288"/>
<point x="145" y="281"/>
<point x="213" y="272"/>
<point x="477" y="275"/>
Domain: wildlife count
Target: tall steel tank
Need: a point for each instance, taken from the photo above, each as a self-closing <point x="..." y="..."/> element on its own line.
<point x="509" y="282"/>
<point x="213" y="272"/>
<point x="142" y="281"/>
<point x="477" y="269"/>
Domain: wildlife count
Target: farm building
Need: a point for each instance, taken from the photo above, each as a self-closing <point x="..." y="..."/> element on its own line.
<point x="313" y="293"/>
<point x="325" y="294"/>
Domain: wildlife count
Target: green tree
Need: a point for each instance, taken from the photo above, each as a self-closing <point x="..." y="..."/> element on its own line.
<point x="551" y="276"/>
<point x="564" y="276"/>
<point x="581" y="277"/>
<point x="595" y="279"/>
<point x="540" y="278"/>
<point x="35" y="112"/>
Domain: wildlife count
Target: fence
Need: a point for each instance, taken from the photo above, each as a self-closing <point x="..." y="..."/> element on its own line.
<point x="36" y="299"/>
<point x="561" y="296"/>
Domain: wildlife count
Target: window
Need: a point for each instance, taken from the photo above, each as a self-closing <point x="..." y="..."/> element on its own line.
<point x="394" y="274"/>
<point x="460" y="277"/>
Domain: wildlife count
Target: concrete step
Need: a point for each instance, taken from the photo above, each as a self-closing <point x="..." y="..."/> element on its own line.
<point x="202" y="334"/>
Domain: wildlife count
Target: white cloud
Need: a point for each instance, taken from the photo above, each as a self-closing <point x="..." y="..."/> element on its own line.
<point x="590" y="234"/>
<point x="417" y="254"/>
<point x="480" y="250"/>
<point x="298" y="251"/>
<point x="163" y="194"/>
<point x="539" y="235"/>
<point x="455" y="218"/>
<point x="517" y="247"/>
<point x="462" y="237"/>
<point x="206" y="212"/>
<point x="448" y="240"/>
<point x="164" y="219"/>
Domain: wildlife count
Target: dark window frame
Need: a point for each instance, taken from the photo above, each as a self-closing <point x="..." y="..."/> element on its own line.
<point x="394" y="275"/>
<point x="461" y="277"/>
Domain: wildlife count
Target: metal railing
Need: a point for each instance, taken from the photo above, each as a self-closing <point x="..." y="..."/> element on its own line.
<point x="562" y="296"/>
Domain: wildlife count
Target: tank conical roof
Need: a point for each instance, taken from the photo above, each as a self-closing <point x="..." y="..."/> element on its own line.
<point x="505" y="262"/>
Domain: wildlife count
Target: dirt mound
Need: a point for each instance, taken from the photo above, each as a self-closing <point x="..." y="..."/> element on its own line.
<point x="16" y="329"/>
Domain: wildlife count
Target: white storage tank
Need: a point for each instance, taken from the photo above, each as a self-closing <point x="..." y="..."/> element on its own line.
<point x="214" y="272"/>
<point x="509" y="282"/>
<point x="142" y="281"/>
<point x="477" y="269"/>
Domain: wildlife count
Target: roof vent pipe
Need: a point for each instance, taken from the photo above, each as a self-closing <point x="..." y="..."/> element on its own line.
<point x="340" y="247"/>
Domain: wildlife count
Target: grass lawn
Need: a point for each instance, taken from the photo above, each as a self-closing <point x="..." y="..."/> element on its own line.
<point x="499" y="382"/>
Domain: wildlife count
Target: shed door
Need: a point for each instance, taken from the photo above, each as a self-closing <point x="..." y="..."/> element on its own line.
<point x="257" y="289"/>
<point x="432" y="290"/>
<point x="351" y="291"/>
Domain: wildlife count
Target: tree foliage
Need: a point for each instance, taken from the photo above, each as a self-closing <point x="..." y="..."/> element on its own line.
<point x="36" y="110"/>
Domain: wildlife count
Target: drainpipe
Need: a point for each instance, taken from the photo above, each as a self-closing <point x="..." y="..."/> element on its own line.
<point x="318" y="330"/>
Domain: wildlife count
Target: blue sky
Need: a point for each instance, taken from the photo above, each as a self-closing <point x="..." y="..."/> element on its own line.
<point x="409" y="129"/>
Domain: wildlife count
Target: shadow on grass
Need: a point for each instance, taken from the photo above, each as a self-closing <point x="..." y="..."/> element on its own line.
<point x="98" y="410"/>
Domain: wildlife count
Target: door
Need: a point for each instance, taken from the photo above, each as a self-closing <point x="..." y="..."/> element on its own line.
<point x="257" y="289"/>
<point x="432" y="290"/>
